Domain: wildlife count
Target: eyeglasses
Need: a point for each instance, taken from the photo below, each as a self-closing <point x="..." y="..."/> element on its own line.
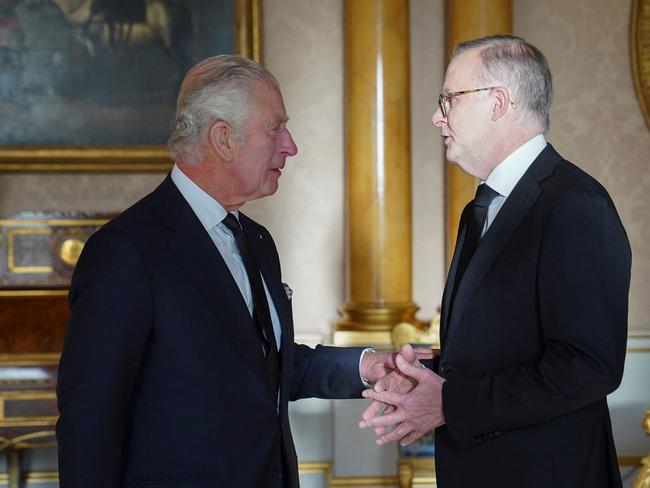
<point x="444" y="99"/>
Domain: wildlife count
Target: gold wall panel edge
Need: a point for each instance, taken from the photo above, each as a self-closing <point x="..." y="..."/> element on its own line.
<point x="640" y="54"/>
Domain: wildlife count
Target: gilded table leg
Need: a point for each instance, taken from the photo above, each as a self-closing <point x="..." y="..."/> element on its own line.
<point x="13" y="457"/>
<point x="643" y="479"/>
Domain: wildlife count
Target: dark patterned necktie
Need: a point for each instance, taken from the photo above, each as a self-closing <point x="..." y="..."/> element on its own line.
<point x="261" y="313"/>
<point x="476" y="214"/>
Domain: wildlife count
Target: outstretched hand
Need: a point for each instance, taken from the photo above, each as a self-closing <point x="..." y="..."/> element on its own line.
<point x="413" y="401"/>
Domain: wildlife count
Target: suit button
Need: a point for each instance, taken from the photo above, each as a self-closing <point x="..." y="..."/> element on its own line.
<point x="277" y="474"/>
<point x="444" y="368"/>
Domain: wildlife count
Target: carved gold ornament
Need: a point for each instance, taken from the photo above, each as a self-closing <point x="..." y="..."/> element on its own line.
<point x="640" y="52"/>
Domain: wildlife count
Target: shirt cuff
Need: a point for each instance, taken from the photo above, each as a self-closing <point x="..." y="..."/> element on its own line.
<point x="363" y="353"/>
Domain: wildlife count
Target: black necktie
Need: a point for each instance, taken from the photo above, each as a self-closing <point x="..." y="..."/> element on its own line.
<point x="261" y="313"/>
<point x="475" y="220"/>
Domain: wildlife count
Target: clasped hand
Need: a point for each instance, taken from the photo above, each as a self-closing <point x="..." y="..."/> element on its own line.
<point x="406" y="398"/>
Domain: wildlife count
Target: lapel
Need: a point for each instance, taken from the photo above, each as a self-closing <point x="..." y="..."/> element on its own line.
<point x="191" y="245"/>
<point x="514" y="210"/>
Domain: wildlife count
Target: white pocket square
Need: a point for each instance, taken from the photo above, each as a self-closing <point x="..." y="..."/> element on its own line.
<point x="288" y="291"/>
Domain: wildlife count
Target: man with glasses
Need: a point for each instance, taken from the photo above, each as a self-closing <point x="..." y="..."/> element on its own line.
<point x="534" y="312"/>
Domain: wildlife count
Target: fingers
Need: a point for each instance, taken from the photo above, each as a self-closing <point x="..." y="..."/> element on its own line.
<point x="385" y="420"/>
<point x="401" y="430"/>
<point x="411" y="438"/>
<point x="375" y="408"/>
<point x="383" y="396"/>
<point x="409" y="369"/>
<point x="382" y="384"/>
<point x="425" y="353"/>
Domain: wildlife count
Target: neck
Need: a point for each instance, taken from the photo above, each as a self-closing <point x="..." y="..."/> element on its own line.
<point x="206" y="175"/>
<point x="514" y="138"/>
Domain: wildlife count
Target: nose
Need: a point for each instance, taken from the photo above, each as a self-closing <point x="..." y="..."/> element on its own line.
<point x="287" y="144"/>
<point x="438" y="119"/>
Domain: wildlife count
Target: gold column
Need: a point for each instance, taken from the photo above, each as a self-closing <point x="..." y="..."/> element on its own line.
<point x="465" y="20"/>
<point x="378" y="178"/>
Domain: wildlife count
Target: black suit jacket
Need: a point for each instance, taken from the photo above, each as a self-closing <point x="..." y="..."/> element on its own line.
<point x="535" y="339"/>
<point x="162" y="381"/>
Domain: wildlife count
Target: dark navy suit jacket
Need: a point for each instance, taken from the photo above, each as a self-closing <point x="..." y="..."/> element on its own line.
<point x="535" y="339"/>
<point x="162" y="381"/>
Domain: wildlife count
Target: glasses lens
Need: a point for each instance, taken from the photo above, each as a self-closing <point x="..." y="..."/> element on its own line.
<point x="442" y="103"/>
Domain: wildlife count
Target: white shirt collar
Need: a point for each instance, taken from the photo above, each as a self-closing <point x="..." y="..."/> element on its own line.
<point x="207" y="209"/>
<point x="506" y="175"/>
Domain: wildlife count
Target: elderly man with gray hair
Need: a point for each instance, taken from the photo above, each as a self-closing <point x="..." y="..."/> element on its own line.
<point x="534" y="312"/>
<point x="179" y="359"/>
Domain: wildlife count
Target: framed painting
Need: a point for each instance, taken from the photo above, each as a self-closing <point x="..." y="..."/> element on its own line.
<point x="91" y="85"/>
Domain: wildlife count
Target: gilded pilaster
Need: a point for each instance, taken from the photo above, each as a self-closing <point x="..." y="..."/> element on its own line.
<point x="378" y="172"/>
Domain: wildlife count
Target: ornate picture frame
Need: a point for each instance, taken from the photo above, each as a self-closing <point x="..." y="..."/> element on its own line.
<point x="88" y="156"/>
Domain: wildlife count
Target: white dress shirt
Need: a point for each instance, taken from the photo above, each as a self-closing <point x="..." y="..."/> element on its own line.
<point x="508" y="173"/>
<point x="211" y="214"/>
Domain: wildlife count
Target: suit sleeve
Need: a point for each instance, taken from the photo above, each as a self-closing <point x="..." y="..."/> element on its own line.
<point x="326" y="372"/>
<point x="583" y="280"/>
<point x="111" y="313"/>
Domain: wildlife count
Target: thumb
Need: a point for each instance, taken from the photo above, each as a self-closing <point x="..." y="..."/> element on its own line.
<point x="409" y="369"/>
<point x="408" y="353"/>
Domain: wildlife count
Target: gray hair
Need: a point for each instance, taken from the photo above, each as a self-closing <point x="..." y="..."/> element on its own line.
<point x="521" y="66"/>
<point x="216" y="89"/>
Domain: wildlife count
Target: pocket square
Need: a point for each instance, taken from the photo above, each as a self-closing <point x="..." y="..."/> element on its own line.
<point x="288" y="291"/>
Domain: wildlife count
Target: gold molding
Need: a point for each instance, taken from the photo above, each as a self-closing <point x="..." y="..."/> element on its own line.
<point x="629" y="460"/>
<point x="11" y="266"/>
<point x="33" y="293"/>
<point x="364" y="481"/>
<point x="140" y="158"/>
<point x="37" y="359"/>
<point x="37" y="477"/>
<point x="640" y="54"/>
<point x="53" y="222"/>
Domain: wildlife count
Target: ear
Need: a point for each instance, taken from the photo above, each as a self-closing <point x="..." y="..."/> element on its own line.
<point x="222" y="141"/>
<point x="501" y="99"/>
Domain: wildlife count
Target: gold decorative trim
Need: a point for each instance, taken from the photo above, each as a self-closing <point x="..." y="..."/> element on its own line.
<point x="141" y="158"/>
<point x="11" y="265"/>
<point x="640" y="54"/>
<point x="53" y="222"/>
<point x="33" y="293"/>
<point x="364" y="481"/>
<point x="29" y="441"/>
<point x="629" y="460"/>
<point x="43" y="359"/>
<point x="27" y="395"/>
<point x="315" y="467"/>
<point x="38" y="477"/>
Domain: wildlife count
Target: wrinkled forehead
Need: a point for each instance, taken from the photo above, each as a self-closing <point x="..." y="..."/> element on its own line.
<point x="462" y="72"/>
